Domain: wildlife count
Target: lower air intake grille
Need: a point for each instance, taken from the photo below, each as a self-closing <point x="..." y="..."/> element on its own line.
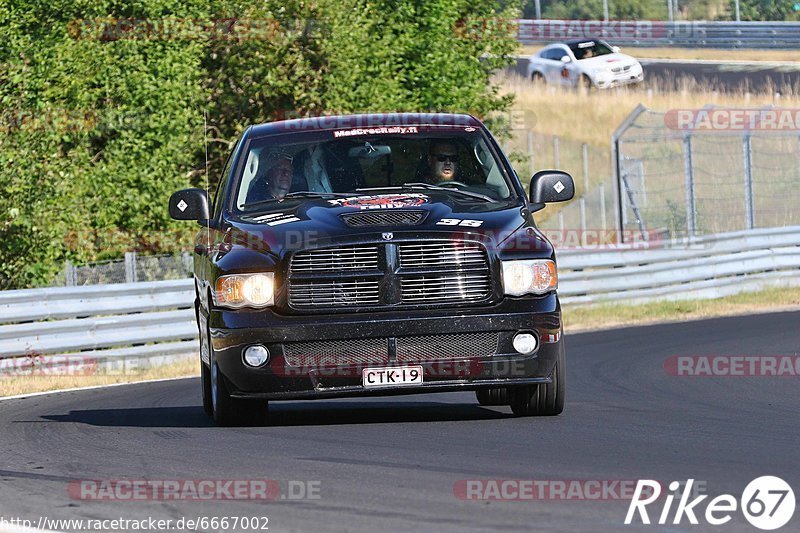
<point x="337" y="353"/>
<point x="363" y="352"/>
<point x="441" y="347"/>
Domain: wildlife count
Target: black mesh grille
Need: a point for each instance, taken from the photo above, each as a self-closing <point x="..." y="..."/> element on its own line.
<point x="337" y="353"/>
<point x="441" y="347"/>
<point x="384" y="218"/>
<point x="376" y="351"/>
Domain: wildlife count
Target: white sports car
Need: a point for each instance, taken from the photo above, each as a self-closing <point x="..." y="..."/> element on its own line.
<point x="588" y="62"/>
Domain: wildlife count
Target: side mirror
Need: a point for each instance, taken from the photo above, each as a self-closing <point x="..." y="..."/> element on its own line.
<point x="189" y="204"/>
<point x="551" y="186"/>
<point x="566" y="59"/>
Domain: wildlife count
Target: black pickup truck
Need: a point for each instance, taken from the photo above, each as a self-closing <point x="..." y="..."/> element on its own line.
<point x="375" y="255"/>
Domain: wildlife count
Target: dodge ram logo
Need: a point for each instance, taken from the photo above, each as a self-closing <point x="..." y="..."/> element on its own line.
<point x="388" y="236"/>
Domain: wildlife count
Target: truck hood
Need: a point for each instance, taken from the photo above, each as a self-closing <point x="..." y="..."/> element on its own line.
<point x="297" y="224"/>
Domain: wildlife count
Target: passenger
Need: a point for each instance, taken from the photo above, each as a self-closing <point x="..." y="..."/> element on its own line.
<point x="275" y="177"/>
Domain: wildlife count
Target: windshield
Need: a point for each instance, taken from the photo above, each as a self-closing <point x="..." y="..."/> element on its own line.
<point x="589" y="49"/>
<point x="302" y="166"/>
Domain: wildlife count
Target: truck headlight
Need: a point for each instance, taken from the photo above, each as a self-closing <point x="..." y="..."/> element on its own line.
<point x="535" y="276"/>
<point x="245" y="290"/>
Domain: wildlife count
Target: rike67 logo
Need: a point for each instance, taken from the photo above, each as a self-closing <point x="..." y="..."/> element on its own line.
<point x="767" y="503"/>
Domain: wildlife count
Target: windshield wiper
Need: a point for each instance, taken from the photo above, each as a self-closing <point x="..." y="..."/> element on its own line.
<point x="298" y="194"/>
<point x="312" y="194"/>
<point x="470" y="194"/>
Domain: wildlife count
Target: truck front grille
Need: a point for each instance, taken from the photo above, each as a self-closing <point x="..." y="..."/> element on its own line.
<point x="390" y="274"/>
<point x="336" y="259"/>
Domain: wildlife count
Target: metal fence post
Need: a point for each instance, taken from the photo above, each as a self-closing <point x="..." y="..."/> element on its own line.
<point x="561" y="223"/>
<point x="603" y="206"/>
<point x="583" y="221"/>
<point x="130" y="267"/>
<point x="530" y="152"/>
<point x="688" y="173"/>
<point x="70" y="274"/>
<point x="749" y="215"/>
<point x="585" y="168"/>
<point x="556" y="158"/>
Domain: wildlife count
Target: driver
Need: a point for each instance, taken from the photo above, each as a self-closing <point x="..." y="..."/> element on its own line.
<point x="442" y="161"/>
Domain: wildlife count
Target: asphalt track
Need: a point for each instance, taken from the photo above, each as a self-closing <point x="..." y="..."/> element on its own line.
<point x="392" y="463"/>
<point x="724" y="76"/>
<point x="744" y="76"/>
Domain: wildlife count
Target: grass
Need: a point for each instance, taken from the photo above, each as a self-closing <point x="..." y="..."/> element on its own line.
<point x="26" y="384"/>
<point x="604" y="316"/>
<point x="695" y="53"/>
<point x="592" y="116"/>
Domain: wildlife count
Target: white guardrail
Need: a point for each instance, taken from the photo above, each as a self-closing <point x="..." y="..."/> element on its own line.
<point x="154" y="321"/>
<point x="685" y="34"/>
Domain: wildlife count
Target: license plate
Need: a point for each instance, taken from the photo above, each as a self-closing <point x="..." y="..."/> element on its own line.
<point x="392" y="376"/>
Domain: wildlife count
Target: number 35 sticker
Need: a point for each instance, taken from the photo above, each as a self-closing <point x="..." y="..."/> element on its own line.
<point x="459" y="222"/>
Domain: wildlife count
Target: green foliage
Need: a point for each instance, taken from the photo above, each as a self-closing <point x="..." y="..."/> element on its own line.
<point x="100" y="124"/>
<point x="765" y="10"/>
<point x="593" y="9"/>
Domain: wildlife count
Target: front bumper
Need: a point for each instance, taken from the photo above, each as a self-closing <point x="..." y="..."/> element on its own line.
<point x="617" y="80"/>
<point x="232" y="331"/>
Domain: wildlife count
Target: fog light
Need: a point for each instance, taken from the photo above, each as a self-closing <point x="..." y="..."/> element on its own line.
<point x="525" y="343"/>
<point x="256" y="356"/>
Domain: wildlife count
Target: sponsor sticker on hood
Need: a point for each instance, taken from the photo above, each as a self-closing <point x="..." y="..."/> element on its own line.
<point x="381" y="201"/>
<point x="275" y="219"/>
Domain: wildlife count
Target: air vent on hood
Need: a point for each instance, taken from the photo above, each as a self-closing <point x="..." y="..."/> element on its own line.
<point x="398" y="217"/>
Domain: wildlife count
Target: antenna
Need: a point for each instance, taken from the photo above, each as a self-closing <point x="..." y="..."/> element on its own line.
<point x="208" y="183"/>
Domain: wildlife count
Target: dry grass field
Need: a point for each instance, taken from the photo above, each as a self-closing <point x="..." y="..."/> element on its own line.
<point x="592" y="116"/>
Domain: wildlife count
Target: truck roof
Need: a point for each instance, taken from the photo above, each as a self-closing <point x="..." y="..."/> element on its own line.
<point x="370" y="120"/>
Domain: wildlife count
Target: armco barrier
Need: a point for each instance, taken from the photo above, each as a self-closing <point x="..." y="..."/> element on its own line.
<point x="154" y="321"/>
<point x="704" y="267"/>
<point x="148" y="323"/>
<point x="688" y="34"/>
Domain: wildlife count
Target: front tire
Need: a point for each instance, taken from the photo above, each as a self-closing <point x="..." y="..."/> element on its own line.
<point x="498" y="396"/>
<point x="205" y="379"/>
<point x="546" y="399"/>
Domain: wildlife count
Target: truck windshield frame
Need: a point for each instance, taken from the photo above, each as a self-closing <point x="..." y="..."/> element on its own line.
<point x="372" y="161"/>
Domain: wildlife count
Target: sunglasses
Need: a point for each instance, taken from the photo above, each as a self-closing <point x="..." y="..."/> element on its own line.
<point x="441" y="158"/>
